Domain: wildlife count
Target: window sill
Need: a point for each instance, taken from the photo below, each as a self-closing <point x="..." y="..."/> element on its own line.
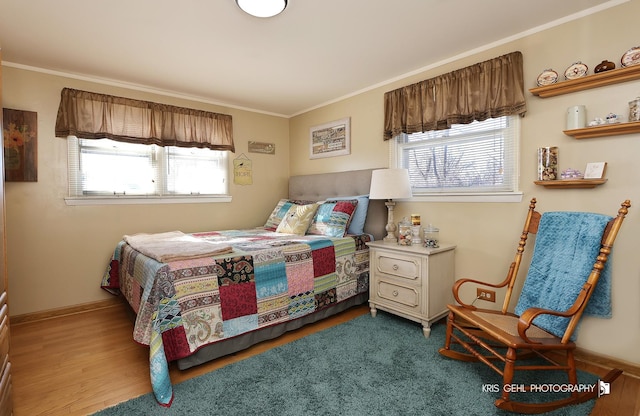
<point x="496" y="197"/>
<point x="140" y="200"/>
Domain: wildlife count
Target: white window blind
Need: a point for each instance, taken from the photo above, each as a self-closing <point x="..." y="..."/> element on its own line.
<point x="108" y="168"/>
<point x="194" y="171"/>
<point x="470" y="158"/>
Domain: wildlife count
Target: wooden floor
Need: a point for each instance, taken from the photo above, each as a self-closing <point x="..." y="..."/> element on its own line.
<point x="78" y="364"/>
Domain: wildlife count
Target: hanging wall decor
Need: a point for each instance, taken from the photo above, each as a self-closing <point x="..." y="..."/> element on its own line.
<point x="242" y="170"/>
<point x="20" y="132"/>
<point x="260" y="147"/>
<point x="330" y="139"/>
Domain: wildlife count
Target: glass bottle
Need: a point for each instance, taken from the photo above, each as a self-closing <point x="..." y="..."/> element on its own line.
<point x="431" y="236"/>
<point x="404" y="232"/>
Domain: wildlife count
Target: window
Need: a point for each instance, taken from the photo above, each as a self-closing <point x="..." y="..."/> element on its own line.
<point x="476" y="158"/>
<point x="107" y="168"/>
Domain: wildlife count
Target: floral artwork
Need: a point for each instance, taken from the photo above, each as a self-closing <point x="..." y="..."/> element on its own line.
<point x="20" y="137"/>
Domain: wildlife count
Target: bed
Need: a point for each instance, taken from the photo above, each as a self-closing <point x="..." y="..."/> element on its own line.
<point x="200" y="296"/>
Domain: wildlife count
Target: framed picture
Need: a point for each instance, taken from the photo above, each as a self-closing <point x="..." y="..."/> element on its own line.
<point x="260" y="147"/>
<point x="20" y="131"/>
<point x="595" y="170"/>
<point x="330" y="139"/>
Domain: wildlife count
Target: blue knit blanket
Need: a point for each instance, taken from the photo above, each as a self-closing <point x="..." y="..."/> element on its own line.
<point x="566" y="247"/>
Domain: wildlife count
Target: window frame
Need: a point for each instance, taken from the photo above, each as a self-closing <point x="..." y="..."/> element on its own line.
<point x="163" y="197"/>
<point x="515" y="195"/>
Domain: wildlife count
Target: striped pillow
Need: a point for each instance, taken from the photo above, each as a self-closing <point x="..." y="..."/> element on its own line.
<point x="333" y="217"/>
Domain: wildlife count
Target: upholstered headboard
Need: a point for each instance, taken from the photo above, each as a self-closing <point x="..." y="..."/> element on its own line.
<point x="323" y="186"/>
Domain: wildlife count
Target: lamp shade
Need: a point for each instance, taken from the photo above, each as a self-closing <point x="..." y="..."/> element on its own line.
<point x="262" y="8"/>
<point x="390" y="184"/>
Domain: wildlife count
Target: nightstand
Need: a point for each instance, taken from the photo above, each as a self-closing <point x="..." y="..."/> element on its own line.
<point x="411" y="281"/>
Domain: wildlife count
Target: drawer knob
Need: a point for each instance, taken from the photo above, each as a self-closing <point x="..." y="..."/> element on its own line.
<point x="395" y="267"/>
<point x="395" y="293"/>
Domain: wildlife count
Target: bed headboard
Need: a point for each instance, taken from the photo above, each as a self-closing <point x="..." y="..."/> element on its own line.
<point x="323" y="186"/>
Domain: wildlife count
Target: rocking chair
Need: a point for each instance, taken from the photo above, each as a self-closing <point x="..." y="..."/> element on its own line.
<point x="570" y="255"/>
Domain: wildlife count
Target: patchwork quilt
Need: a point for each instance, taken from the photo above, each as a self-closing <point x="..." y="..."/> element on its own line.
<point x="267" y="278"/>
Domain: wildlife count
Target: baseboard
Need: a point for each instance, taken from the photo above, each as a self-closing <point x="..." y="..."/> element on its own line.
<point x="69" y="310"/>
<point x="586" y="356"/>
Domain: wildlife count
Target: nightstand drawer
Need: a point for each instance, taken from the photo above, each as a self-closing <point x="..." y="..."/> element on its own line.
<point x="403" y="295"/>
<point x="411" y="281"/>
<point x="397" y="265"/>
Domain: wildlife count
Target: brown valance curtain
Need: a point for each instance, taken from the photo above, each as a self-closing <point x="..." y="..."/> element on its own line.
<point x="90" y="115"/>
<point x="489" y="89"/>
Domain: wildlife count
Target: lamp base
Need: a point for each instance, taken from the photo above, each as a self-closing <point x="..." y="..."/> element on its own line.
<point x="391" y="226"/>
<point x="390" y="239"/>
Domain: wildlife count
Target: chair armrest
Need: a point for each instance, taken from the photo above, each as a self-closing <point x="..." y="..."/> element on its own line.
<point x="526" y="319"/>
<point x="458" y="283"/>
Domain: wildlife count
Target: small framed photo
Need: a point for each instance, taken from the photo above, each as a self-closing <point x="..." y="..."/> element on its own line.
<point x="330" y="139"/>
<point x="595" y="170"/>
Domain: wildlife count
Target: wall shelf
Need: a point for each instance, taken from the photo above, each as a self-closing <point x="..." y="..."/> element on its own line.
<point x="604" y="130"/>
<point x="571" y="183"/>
<point x="601" y="79"/>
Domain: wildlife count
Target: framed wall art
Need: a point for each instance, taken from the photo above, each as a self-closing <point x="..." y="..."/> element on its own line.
<point x="20" y="133"/>
<point x="595" y="170"/>
<point x="330" y="139"/>
<point x="260" y="147"/>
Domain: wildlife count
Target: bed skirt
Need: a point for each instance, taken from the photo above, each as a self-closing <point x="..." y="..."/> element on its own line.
<point x="244" y="341"/>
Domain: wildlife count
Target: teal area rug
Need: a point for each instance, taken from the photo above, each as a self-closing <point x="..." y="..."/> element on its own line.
<point x="367" y="366"/>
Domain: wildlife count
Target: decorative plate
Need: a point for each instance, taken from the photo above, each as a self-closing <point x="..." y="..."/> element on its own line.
<point x="576" y="70"/>
<point x="631" y="57"/>
<point x="547" y="77"/>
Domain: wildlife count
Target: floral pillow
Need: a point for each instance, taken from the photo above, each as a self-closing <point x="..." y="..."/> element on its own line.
<point x="297" y="219"/>
<point x="333" y="217"/>
<point x="281" y="209"/>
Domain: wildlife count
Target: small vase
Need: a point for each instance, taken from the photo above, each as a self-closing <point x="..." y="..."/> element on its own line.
<point x="576" y="117"/>
<point x="634" y="110"/>
<point x="547" y="163"/>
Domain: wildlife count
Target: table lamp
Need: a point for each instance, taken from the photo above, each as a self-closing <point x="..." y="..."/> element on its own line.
<point x="390" y="184"/>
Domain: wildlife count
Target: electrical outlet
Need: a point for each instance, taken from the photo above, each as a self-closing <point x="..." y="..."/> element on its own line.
<point x="488" y="295"/>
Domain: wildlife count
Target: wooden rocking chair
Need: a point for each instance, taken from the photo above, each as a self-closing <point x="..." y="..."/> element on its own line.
<point x="501" y="339"/>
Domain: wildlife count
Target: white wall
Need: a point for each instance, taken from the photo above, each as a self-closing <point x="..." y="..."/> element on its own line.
<point x="486" y="234"/>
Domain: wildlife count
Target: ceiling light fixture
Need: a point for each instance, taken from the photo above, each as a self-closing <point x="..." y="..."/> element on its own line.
<point x="262" y="8"/>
